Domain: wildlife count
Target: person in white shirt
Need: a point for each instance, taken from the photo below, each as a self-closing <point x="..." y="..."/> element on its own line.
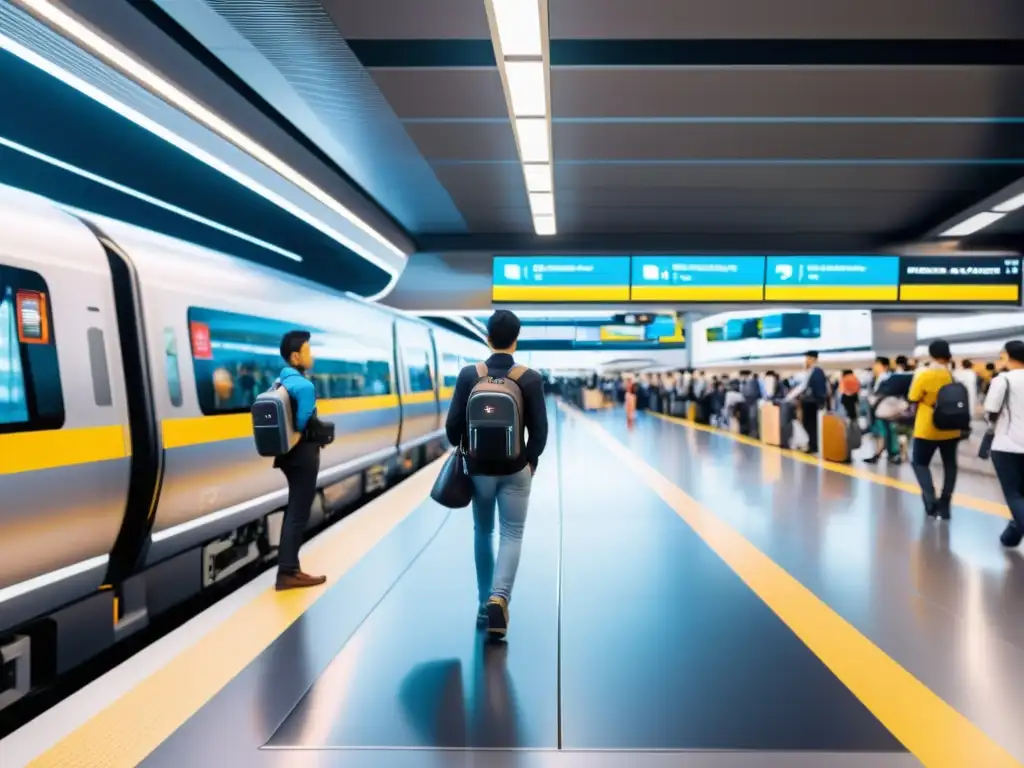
<point x="1004" y="405"/>
<point x="965" y="375"/>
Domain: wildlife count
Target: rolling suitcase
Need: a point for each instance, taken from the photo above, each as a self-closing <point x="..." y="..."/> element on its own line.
<point x="833" y="438"/>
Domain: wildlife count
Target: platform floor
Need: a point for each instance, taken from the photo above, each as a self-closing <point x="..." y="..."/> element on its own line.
<point x="685" y="599"/>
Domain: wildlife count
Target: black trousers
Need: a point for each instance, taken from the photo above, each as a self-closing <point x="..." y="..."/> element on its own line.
<point x="921" y="454"/>
<point x="301" y="468"/>
<point x="809" y="420"/>
<point x="1010" y="471"/>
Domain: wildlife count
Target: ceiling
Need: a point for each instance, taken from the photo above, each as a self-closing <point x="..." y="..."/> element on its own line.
<point x="738" y="124"/>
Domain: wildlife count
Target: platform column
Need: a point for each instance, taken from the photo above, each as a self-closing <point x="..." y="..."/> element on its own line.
<point x="893" y="334"/>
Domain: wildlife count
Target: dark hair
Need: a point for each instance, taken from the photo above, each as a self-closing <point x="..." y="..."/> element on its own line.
<point x="811" y="354"/>
<point x="939" y="350"/>
<point x="990" y="366"/>
<point x="902" y="360"/>
<point x="292" y="342"/>
<point x="1015" y="350"/>
<point x="883" y="360"/>
<point x="503" y="329"/>
<point x="847" y="372"/>
<point x="966" y="364"/>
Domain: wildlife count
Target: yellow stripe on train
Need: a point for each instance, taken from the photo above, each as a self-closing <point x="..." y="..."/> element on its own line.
<point x="52" y="448"/>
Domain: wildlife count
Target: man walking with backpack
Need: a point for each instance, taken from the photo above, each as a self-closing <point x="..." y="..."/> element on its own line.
<point x="943" y="416"/>
<point x="499" y="417"/>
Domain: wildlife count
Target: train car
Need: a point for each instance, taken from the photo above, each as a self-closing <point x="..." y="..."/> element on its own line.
<point x="129" y="480"/>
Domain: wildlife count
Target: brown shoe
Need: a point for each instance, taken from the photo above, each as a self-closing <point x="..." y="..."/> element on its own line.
<point x="298" y="580"/>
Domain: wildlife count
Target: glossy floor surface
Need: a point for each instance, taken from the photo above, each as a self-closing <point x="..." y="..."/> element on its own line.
<point x="683" y="597"/>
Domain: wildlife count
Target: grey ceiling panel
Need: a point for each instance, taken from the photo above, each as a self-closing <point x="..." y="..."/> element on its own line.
<point x="628" y="177"/>
<point x="511" y="219"/>
<point x="465" y="141"/>
<point x="409" y="19"/>
<point x="785" y="19"/>
<point x="742" y="197"/>
<point x="484" y="184"/>
<point x="443" y="93"/>
<point x="765" y="219"/>
<point x="788" y="92"/>
<point x="659" y="141"/>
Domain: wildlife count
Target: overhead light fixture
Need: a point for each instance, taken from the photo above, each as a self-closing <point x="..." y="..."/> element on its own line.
<point x="542" y="203"/>
<point x="526" y="88"/>
<point x="1010" y="205"/>
<point x="533" y="140"/>
<point x="518" y="33"/>
<point x="538" y="177"/>
<point x="544" y="225"/>
<point x="170" y="93"/>
<point x="974" y="224"/>
<point x="518" y="23"/>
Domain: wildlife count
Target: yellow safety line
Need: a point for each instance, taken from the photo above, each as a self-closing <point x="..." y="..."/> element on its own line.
<point x="959" y="499"/>
<point x="927" y="726"/>
<point x="134" y="725"/>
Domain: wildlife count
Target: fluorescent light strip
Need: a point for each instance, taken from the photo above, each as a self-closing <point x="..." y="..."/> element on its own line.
<point x="544" y="225"/>
<point x="974" y="224"/>
<point x="518" y="23"/>
<point x="526" y="88"/>
<point x="1013" y="204"/>
<point x="532" y="133"/>
<point x="542" y="203"/>
<point x="138" y="71"/>
<point x="538" y="177"/>
<point x="144" y="198"/>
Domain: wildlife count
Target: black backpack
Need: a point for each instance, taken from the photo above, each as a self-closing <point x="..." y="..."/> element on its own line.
<point x="952" y="407"/>
<point x="494" y="415"/>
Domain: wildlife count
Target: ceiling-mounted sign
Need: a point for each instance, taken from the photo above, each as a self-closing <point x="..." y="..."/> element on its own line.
<point x="960" y="279"/>
<point x="828" y="279"/>
<point x="698" y="278"/>
<point x="560" y="279"/>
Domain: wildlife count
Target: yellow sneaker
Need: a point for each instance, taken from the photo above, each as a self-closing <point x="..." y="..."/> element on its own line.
<point x="497" y="616"/>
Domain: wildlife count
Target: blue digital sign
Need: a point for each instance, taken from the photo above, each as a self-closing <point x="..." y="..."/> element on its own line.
<point x="698" y="278"/>
<point x="832" y="278"/>
<point x="557" y="279"/>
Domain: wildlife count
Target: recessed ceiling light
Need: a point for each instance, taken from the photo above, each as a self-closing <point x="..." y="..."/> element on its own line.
<point x="533" y="140"/>
<point x="538" y="177"/>
<point x="974" y="224"/>
<point x="526" y="88"/>
<point x="1010" y="205"/>
<point x="544" y="225"/>
<point x="518" y="23"/>
<point x="542" y="203"/>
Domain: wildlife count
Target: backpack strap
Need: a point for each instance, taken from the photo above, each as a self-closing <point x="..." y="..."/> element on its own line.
<point x="515" y="372"/>
<point x="481" y="370"/>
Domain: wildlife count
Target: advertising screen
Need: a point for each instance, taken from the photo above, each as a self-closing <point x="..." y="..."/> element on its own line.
<point x="698" y="278"/>
<point x="960" y="279"/>
<point x="760" y="334"/>
<point x="832" y="278"/>
<point x="560" y="279"/>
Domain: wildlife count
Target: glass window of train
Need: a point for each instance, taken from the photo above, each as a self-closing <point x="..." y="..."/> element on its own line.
<point x="343" y="368"/>
<point x="98" y="368"/>
<point x="171" y="366"/>
<point x="417" y="363"/>
<point x="234" y="356"/>
<point x="30" y="388"/>
<point x="451" y="365"/>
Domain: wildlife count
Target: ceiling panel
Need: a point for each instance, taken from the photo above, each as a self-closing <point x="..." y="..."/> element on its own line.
<point x="409" y="19"/>
<point x="786" y="19"/>
<point x="443" y="93"/>
<point x="788" y="92"/>
<point x="491" y="142"/>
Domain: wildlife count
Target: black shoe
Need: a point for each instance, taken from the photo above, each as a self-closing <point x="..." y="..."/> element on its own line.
<point x="871" y="460"/>
<point x="942" y="509"/>
<point x="497" y="617"/>
<point x="931" y="508"/>
<point x="895" y="460"/>
<point x="1011" y="535"/>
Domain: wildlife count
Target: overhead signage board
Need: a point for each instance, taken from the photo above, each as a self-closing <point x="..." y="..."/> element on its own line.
<point x="960" y="280"/>
<point x="698" y="278"/>
<point x="832" y="278"/>
<point x="560" y="279"/>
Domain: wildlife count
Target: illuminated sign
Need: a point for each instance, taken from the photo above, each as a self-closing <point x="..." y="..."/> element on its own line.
<point x="832" y="278"/>
<point x="556" y="279"/>
<point x="960" y="279"/>
<point x="697" y="278"/>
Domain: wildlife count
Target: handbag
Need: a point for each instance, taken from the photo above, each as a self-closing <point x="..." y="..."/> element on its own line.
<point x="453" y="487"/>
<point x="985" y="448"/>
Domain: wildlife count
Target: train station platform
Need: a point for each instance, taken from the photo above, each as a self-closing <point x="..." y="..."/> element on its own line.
<point x="684" y="599"/>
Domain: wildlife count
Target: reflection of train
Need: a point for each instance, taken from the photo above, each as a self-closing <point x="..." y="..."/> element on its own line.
<point x="783" y="325"/>
<point x="129" y="480"/>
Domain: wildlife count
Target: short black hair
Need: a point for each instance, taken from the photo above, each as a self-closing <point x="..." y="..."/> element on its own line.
<point x="966" y="364"/>
<point x="812" y="354"/>
<point x="939" y="350"/>
<point x="503" y="329"/>
<point x="1015" y="350"/>
<point x="292" y="342"/>
<point x="883" y="360"/>
<point x="847" y="372"/>
<point x="902" y="360"/>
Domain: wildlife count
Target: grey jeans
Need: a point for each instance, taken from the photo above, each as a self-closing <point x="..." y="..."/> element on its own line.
<point x="511" y="495"/>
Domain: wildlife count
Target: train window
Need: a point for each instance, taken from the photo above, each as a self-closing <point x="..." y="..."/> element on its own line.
<point x="98" y="368"/>
<point x="236" y="357"/>
<point x="417" y="363"/>
<point x="30" y="389"/>
<point x="451" y="365"/>
<point x="171" y="366"/>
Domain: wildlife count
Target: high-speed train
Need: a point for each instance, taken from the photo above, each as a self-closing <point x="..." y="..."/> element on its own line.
<point x="129" y="478"/>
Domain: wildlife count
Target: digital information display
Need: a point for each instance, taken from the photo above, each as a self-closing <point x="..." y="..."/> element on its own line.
<point x="840" y="279"/>
<point x="698" y="278"/>
<point x="554" y="279"/>
<point x="960" y="279"/>
<point x="832" y="278"/>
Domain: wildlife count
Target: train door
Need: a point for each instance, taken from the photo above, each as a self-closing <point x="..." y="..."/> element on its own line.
<point x="418" y="392"/>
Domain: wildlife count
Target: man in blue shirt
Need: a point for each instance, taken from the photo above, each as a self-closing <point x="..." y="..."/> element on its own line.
<point x="812" y="392"/>
<point x="301" y="465"/>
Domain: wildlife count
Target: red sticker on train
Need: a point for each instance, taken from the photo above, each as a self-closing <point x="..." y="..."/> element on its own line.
<point x="201" y="348"/>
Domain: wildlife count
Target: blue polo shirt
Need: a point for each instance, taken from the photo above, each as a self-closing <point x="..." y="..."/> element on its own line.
<point x="303" y="395"/>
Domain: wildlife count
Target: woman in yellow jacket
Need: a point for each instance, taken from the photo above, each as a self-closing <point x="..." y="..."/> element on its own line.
<point x="927" y="438"/>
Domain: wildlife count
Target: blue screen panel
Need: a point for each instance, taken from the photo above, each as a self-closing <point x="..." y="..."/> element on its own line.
<point x="697" y="278"/>
<point x="832" y="278"/>
<point x="556" y="279"/>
